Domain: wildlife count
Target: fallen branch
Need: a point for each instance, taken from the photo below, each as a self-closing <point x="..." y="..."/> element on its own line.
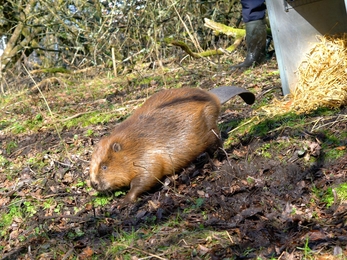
<point x="224" y="29"/>
<point x="217" y="28"/>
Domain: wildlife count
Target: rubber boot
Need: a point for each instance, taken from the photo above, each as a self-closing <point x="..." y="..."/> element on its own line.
<point x="255" y="43"/>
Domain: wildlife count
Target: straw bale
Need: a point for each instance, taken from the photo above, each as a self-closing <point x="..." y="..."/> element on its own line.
<point x="322" y="79"/>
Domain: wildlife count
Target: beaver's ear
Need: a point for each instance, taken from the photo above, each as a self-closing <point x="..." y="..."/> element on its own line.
<point x="116" y="147"/>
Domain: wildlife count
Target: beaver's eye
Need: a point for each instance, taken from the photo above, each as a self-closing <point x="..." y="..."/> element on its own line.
<point x="104" y="167"/>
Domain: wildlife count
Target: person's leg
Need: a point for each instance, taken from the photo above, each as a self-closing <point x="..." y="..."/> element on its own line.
<point x="253" y="12"/>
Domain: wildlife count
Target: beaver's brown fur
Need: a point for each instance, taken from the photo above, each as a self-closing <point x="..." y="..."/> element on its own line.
<point x="169" y="131"/>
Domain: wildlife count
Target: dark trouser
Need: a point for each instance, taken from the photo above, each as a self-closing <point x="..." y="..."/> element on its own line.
<point x="253" y="10"/>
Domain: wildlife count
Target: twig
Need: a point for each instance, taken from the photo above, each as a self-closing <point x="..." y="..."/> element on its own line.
<point x="62" y="195"/>
<point x="214" y="132"/>
<point x="63" y="164"/>
<point x="49" y="110"/>
<point x="88" y="69"/>
<point x="226" y="154"/>
<point x="61" y="216"/>
<point x="135" y="54"/>
<point x="337" y="119"/>
<point x="16" y="187"/>
<point x="246" y="123"/>
<point x="196" y="42"/>
<point x="144" y="252"/>
<point x="185" y="26"/>
<point x="231" y="240"/>
<point x="76" y="115"/>
<point x="114" y="62"/>
<point x="68" y="254"/>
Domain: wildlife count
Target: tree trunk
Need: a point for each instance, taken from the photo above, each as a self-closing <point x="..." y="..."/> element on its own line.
<point x="12" y="47"/>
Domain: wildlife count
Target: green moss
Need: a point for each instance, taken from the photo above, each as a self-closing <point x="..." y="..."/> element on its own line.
<point x="96" y="118"/>
<point x="89" y="119"/>
<point x="264" y="150"/>
<point x="101" y="200"/>
<point x="11" y="146"/>
<point x="327" y="196"/>
<point x="341" y="192"/>
<point x="6" y="219"/>
<point x="123" y="242"/>
<point x="48" y="203"/>
<point x="55" y="70"/>
<point x="332" y="145"/>
<point x="3" y="161"/>
<point x="324" y="111"/>
<point x="18" y="128"/>
<point x="4" y="124"/>
<point x="334" y="154"/>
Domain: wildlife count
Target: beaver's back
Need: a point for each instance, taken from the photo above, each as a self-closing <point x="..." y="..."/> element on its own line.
<point x="176" y="125"/>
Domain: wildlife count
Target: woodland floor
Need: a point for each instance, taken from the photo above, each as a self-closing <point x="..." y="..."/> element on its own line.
<point x="273" y="197"/>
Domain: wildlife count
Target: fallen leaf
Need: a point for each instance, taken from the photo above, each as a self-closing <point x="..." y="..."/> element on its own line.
<point x="87" y="252"/>
<point x="203" y="249"/>
<point x="315" y="235"/>
<point x="89" y="206"/>
<point x="201" y="192"/>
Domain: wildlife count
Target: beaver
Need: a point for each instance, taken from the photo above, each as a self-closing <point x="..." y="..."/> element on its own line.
<point x="171" y="129"/>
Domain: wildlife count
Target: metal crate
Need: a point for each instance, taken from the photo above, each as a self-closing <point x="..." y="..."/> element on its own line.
<point x="290" y="4"/>
<point x="295" y="30"/>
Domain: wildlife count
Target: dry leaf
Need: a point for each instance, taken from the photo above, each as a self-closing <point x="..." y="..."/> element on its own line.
<point x="87" y="252"/>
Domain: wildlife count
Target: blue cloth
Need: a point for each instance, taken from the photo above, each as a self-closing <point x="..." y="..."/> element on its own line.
<point x="253" y="10"/>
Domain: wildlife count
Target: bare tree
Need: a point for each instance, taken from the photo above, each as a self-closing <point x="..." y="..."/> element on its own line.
<point x="82" y="33"/>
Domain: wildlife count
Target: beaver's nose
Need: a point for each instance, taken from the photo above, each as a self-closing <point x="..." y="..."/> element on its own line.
<point x="94" y="185"/>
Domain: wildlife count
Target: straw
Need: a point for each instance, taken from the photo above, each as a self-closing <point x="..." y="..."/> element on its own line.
<point x="322" y="79"/>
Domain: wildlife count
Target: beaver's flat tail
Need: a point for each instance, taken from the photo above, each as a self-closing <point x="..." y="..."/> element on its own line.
<point x="227" y="92"/>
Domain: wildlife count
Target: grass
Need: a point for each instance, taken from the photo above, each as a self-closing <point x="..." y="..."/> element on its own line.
<point x="67" y="114"/>
<point x="18" y="212"/>
<point x="308" y="254"/>
<point x="168" y="241"/>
